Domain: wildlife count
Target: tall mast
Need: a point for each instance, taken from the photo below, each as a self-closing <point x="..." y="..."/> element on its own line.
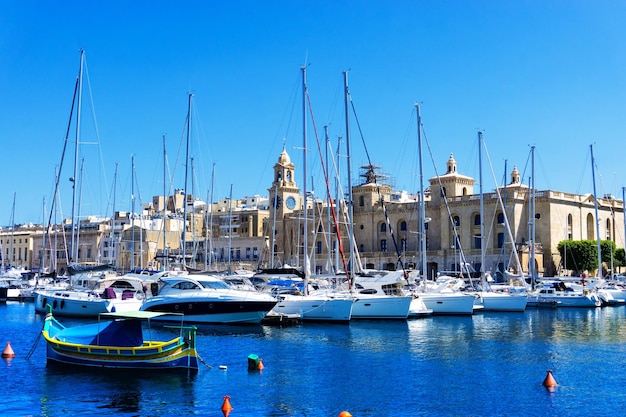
<point x="164" y="211"/>
<point x="209" y="220"/>
<point x="307" y="271"/>
<point x="73" y="248"/>
<point x="350" y="205"/>
<point x="483" y="280"/>
<point x="230" y="226"/>
<point x="422" y="204"/>
<point x="595" y="204"/>
<point x="328" y="213"/>
<point x="132" y="211"/>
<point x="112" y="234"/>
<point x="185" y="189"/>
<point x="532" y="269"/>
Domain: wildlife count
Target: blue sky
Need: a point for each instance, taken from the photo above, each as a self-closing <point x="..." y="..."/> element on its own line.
<point x="528" y="73"/>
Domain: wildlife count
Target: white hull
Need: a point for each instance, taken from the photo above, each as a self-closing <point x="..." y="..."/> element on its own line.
<point x="564" y="300"/>
<point x="494" y="301"/>
<point x="381" y="307"/>
<point x="316" y="308"/>
<point x="448" y="303"/>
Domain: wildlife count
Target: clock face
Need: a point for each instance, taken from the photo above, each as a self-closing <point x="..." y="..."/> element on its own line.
<point x="290" y="202"/>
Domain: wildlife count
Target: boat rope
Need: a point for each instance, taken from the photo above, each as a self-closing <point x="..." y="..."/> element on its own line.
<point x="380" y="196"/>
<point x="202" y="361"/>
<point x="35" y="343"/>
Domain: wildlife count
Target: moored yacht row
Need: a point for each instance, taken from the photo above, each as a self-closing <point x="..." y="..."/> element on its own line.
<point x="252" y="298"/>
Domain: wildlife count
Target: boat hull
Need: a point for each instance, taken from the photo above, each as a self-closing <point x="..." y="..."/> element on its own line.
<point x="82" y="346"/>
<point x="81" y="304"/>
<point x="381" y="307"/>
<point x="449" y="304"/>
<point x="211" y="311"/>
<point x="314" y="308"/>
<point x="493" y="301"/>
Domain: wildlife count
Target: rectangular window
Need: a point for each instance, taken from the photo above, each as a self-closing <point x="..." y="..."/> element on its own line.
<point x="383" y="245"/>
<point x="477" y="241"/>
<point x="247" y="253"/>
<point x="319" y="247"/>
<point x="500" y="240"/>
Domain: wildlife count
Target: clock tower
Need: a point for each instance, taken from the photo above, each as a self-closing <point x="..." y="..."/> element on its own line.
<point x="285" y="198"/>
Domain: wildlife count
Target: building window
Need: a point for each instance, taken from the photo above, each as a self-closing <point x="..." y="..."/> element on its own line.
<point x="477" y="242"/>
<point x="403" y="245"/>
<point x="477" y="220"/>
<point x="500" y="218"/>
<point x="383" y="227"/>
<point x="457" y="221"/>
<point x="383" y="245"/>
<point x="500" y="240"/>
<point x="319" y="247"/>
<point x="247" y="253"/>
<point x="403" y="226"/>
<point x="361" y="201"/>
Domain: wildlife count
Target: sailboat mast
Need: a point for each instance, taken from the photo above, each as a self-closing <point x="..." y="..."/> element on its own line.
<point x="184" y="237"/>
<point x="349" y="165"/>
<point x="132" y="212"/>
<point x="422" y="205"/>
<point x="73" y="248"/>
<point x="230" y="227"/>
<point x="328" y="213"/>
<point x="595" y="205"/>
<point x="531" y="269"/>
<point x="307" y="271"/>
<point x="482" y="211"/>
<point x="163" y="213"/>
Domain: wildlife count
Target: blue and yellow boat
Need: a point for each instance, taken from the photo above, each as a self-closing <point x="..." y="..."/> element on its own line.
<point x="116" y="341"/>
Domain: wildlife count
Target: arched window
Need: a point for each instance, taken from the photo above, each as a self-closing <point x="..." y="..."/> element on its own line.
<point x="402" y="226"/>
<point x="457" y="221"/>
<point x="477" y="220"/>
<point x="569" y="226"/>
<point x="383" y="227"/>
<point x="590" y="227"/>
<point x="608" y="230"/>
<point x="500" y="218"/>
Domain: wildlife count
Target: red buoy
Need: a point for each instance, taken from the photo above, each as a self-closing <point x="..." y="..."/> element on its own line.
<point x="8" y="351"/>
<point x="260" y="366"/>
<point x="345" y="414"/>
<point x="549" y="382"/>
<point x="226" y="407"/>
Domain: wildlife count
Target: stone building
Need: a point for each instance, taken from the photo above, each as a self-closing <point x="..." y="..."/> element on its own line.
<point x="382" y="241"/>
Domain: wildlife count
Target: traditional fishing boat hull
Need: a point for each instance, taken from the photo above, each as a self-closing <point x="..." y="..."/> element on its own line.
<point x="118" y="344"/>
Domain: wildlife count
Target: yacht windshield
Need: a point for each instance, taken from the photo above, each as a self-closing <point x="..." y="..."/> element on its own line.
<point x="214" y="285"/>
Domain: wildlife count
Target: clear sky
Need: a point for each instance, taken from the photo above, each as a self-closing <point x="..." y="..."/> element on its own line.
<point x="549" y="74"/>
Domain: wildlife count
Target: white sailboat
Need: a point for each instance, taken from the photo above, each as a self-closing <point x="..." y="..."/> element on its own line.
<point x="441" y="299"/>
<point x="492" y="300"/>
<point x="312" y="307"/>
<point x="558" y="293"/>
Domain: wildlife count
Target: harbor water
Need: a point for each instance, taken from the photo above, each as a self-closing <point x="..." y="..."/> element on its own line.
<point x="489" y="364"/>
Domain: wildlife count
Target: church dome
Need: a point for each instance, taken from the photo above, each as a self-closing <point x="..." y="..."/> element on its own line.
<point x="283" y="158"/>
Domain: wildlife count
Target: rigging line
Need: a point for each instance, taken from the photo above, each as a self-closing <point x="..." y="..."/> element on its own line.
<point x="330" y="200"/>
<point x="457" y="240"/>
<point x="380" y="196"/>
<point x="95" y="122"/>
<point x="506" y="218"/>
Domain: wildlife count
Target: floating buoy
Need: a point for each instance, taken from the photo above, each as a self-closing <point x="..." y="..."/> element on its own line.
<point x="226" y="407"/>
<point x="8" y="351"/>
<point x="549" y="382"/>
<point x="345" y="414"/>
<point x="260" y="365"/>
<point x="224" y="367"/>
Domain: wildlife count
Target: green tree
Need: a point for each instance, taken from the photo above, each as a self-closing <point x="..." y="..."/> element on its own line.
<point x="582" y="255"/>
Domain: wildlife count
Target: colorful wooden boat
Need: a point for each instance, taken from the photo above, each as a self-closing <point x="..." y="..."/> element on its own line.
<point x="116" y="341"/>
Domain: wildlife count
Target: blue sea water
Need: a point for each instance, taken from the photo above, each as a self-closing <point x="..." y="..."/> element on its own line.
<point x="489" y="364"/>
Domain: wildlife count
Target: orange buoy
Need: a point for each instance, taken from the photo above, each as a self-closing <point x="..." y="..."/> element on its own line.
<point x="226" y="407"/>
<point x="549" y="382"/>
<point x="8" y="351"/>
<point x="345" y="414"/>
<point x="260" y="366"/>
